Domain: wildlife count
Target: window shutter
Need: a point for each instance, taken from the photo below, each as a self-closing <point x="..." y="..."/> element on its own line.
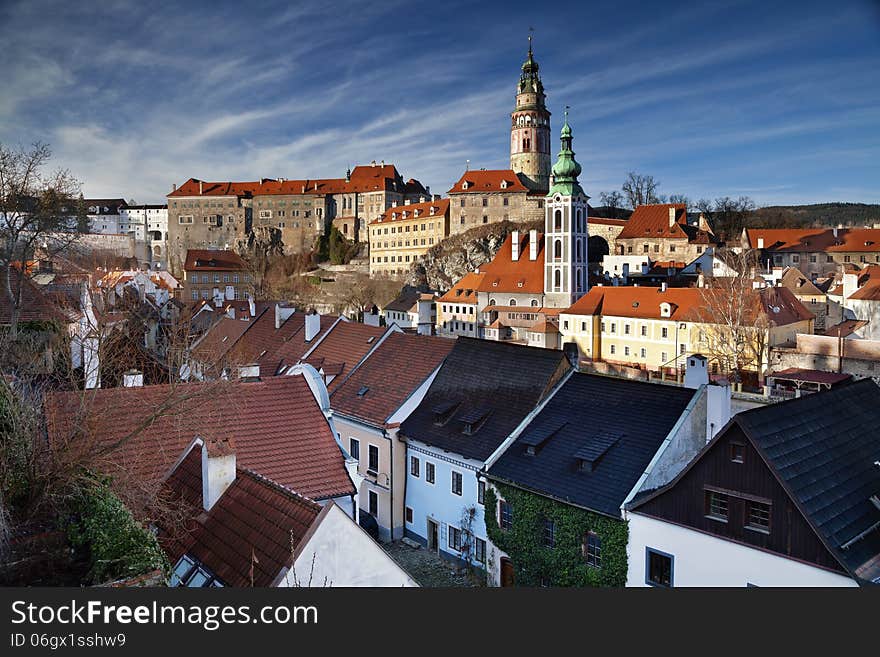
<point x="443" y="534"/>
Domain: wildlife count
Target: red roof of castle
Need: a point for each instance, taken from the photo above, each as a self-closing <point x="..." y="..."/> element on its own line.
<point x="483" y="181"/>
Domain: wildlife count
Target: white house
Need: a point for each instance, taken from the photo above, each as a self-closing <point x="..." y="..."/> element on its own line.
<point x="482" y="392"/>
<point x="785" y="495"/>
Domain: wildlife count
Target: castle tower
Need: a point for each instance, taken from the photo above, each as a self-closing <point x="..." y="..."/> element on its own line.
<point x="565" y="230"/>
<point x="530" y="129"/>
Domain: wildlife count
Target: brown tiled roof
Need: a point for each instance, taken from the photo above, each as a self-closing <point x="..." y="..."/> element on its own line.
<point x="869" y="292"/>
<point x="465" y="291"/>
<point x="34" y="307"/>
<point x="506" y="275"/>
<point x="482" y="181"/>
<point x="545" y="326"/>
<point x="205" y="260"/>
<point x="810" y="376"/>
<point x="799" y="283"/>
<point x="278" y="428"/>
<point x="342" y="348"/>
<point x="441" y="209"/>
<point x="845" y="328"/>
<point x="219" y="339"/>
<point x="387" y="378"/>
<point x="256" y="524"/>
<point x="816" y="239"/>
<point x="293" y="344"/>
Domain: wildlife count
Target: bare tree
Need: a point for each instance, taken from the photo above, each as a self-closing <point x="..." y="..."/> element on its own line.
<point x="705" y="206"/>
<point x="734" y="324"/>
<point x="680" y="199"/>
<point x="612" y="200"/>
<point x="640" y="189"/>
<point x="729" y="214"/>
<point x="38" y="211"/>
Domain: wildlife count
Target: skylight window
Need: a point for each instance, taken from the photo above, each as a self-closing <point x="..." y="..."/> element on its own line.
<point x="191" y="574"/>
<point x="363" y="391"/>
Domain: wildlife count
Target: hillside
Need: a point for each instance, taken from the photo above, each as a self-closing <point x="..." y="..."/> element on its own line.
<point x="818" y="215"/>
<point x="447" y="261"/>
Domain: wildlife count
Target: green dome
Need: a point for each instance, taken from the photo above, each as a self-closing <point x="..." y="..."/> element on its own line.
<point x="566" y="170"/>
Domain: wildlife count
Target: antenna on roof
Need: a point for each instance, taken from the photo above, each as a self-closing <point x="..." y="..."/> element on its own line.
<point x="467" y="165"/>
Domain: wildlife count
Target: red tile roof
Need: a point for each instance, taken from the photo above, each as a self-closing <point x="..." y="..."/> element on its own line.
<point x="816" y="239"/>
<point x="845" y="328"/>
<point x="505" y="275"/>
<point x="396" y="213"/>
<point x="34" y="307"/>
<point x="205" y="260"/>
<point x="465" y="291"/>
<point x="652" y="221"/>
<point x="256" y="524"/>
<point x="686" y="303"/>
<point x="387" y="378"/>
<point x="364" y="178"/>
<point x="482" y="181"/>
<point x="607" y="222"/>
<point x="869" y="292"/>
<point x="278" y="428"/>
<point x="342" y="348"/>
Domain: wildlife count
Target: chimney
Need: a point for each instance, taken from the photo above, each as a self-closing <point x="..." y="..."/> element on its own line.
<point x="514" y="245"/>
<point x="282" y="314"/>
<point x="201" y="187"/>
<point x="760" y="242"/>
<point x="249" y="373"/>
<point x="313" y="325"/>
<point x="252" y="307"/>
<point x="664" y="286"/>
<point x="173" y="187"/>
<point x="717" y="408"/>
<point x="696" y="373"/>
<point x="850" y="285"/>
<point x="133" y="379"/>
<point x="703" y="223"/>
<point x="218" y="469"/>
<point x="671" y="217"/>
<point x="533" y="244"/>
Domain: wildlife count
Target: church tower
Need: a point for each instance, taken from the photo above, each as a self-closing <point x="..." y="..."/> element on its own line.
<point x="530" y="129"/>
<point x="565" y="230"/>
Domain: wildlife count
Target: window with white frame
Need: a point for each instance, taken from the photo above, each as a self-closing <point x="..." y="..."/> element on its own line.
<point x="456" y="483"/>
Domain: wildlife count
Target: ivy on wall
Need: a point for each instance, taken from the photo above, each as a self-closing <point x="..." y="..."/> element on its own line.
<point x="563" y="564"/>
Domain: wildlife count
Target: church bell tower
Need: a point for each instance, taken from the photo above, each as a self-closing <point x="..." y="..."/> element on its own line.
<point x="565" y="230"/>
<point x="530" y="129"/>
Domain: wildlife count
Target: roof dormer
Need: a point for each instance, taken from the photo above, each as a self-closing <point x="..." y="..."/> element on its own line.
<point x="465" y="185"/>
<point x="666" y="309"/>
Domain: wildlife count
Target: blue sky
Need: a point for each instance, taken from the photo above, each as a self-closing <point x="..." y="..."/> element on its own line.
<point x="776" y="100"/>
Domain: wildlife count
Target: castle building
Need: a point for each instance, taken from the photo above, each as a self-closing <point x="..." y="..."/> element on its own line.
<point x="485" y="196"/>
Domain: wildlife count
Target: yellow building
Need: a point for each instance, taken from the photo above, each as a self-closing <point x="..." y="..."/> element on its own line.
<point x="404" y="233"/>
<point x="458" y="311"/>
<point x="654" y="329"/>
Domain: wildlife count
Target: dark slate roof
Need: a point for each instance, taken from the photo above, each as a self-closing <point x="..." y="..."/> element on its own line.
<point x="823" y="449"/>
<point x="492" y="383"/>
<point x="616" y="425"/>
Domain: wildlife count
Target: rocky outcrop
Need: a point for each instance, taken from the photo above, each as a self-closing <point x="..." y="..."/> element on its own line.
<point x="449" y="260"/>
<point x="262" y="240"/>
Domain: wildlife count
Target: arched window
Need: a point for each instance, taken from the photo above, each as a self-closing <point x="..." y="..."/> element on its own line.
<point x="557" y="220"/>
<point x="534" y="303"/>
<point x="512" y="302"/>
<point x="557" y="249"/>
<point x="491" y="302"/>
<point x="580" y="280"/>
<point x="578" y="224"/>
<point x="557" y="280"/>
<point x="579" y="250"/>
<point x="157" y="250"/>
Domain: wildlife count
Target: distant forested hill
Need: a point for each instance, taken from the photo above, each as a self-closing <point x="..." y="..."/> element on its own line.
<point x="820" y="214"/>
